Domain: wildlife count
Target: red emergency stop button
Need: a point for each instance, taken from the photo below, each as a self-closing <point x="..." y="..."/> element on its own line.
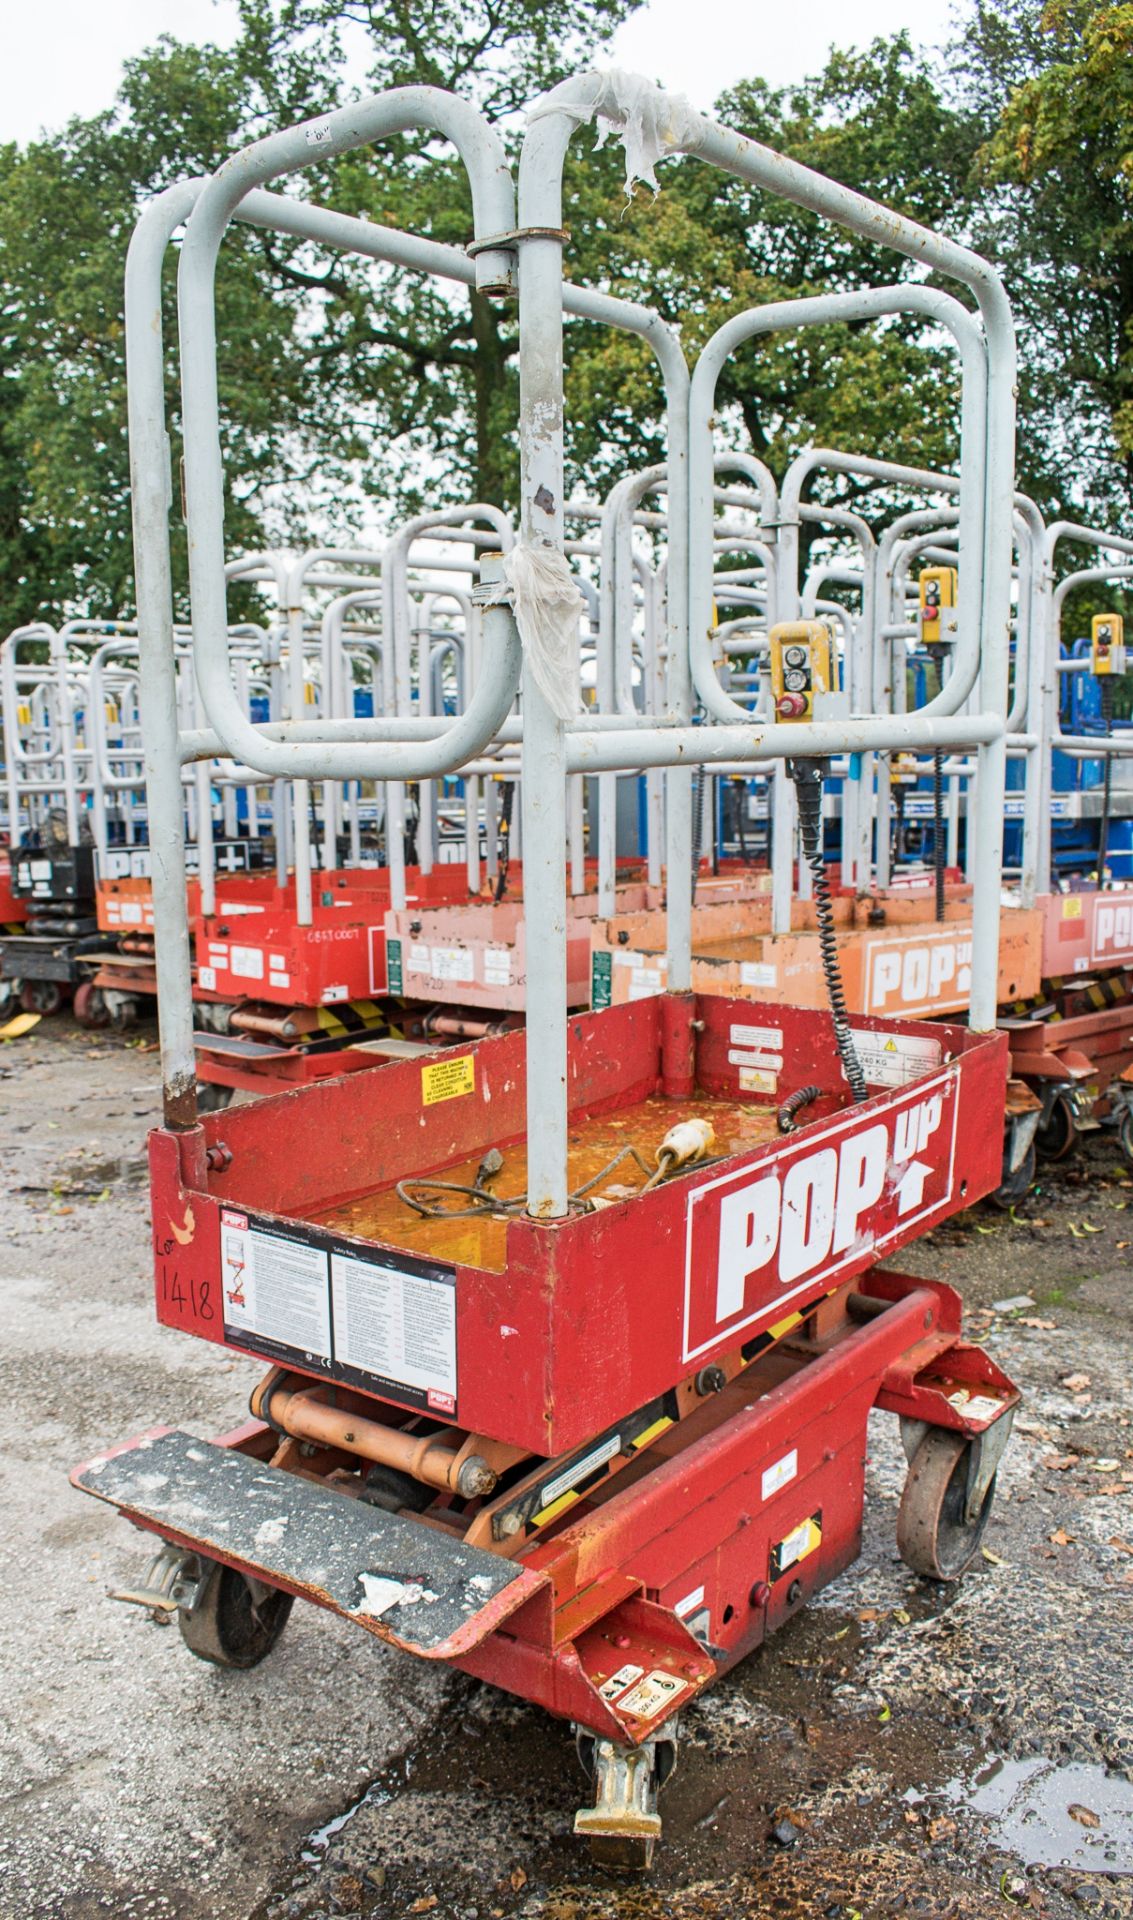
<point x="791" y="705"/>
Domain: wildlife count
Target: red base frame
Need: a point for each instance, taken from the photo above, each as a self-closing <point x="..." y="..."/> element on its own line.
<point x="729" y="1535"/>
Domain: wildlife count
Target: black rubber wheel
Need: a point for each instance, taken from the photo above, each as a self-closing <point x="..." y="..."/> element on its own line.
<point x="387" y="1487"/>
<point x="211" y="1098"/>
<point x="124" y="1015"/>
<point x="89" y="1007"/>
<point x="934" y="1536"/>
<point x="1125" y="1134"/>
<point x="233" y="1623"/>
<point x="1015" y="1186"/>
<point x="1060" y="1134"/>
<point x="41" y="996"/>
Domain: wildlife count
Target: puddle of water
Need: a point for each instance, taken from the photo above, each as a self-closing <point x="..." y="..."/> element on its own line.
<point x="1074" y="1816"/>
<point x="319" y="1839"/>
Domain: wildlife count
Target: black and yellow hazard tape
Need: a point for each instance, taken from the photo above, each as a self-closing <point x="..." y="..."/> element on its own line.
<point x="349" y="1016"/>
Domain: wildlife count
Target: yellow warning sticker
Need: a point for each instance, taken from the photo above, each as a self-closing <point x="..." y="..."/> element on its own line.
<point x="799" y="1543"/>
<point x="445" y="1079"/>
<point x="1071" y="906"/>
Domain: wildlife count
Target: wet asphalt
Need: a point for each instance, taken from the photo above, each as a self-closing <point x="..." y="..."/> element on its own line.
<point x="896" y="1749"/>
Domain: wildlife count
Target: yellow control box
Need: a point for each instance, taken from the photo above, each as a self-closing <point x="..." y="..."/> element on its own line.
<point x="937" y="593"/>
<point x="803" y="664"/>
<point x="1107" y="644"/>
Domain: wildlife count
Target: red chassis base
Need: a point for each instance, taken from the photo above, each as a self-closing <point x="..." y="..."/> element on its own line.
<point x="612" y="1452"/>
<point x="664" y="1577"/>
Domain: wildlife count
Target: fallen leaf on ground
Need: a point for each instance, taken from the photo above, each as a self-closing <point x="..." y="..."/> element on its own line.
<point x="993" y="1559"/>
<point x="1085" y="1816"/>
<point x="518" y="1879"/>
<point x="1077" y="1382"/>
<point x="1121" y="1545"/>
<point x="1041" y="1326"/>
<point x="1060" y="1538"/>
<point x="1059" y="1462"/>
<point x="941" y="1827"/>
<point x="1106" y="1466"/>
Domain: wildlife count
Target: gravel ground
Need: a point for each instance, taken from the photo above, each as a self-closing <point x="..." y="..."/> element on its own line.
<point x="894" y="1750"/>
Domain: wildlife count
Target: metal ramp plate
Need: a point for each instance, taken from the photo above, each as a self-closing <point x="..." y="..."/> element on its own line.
<point x="408" y="1583"/>
<point x="391" y="1048"/>
<point x="238" y="1048"/>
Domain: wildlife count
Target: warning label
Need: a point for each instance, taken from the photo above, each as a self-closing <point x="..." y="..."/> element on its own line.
<point x="387" y="1323"/>
<point x="451" y="963"/>
<point x="620" y="1682"/>
<point x="802" y="1541"/>
<point x="652" y="1695"/>
<point x="446" y="1079"/>
<point x="896" y="1059"/>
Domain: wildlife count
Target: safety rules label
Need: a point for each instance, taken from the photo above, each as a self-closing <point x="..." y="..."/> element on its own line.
<point x="386" y="1323"/>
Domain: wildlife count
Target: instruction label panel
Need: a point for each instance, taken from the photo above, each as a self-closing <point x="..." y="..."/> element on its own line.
<point x="383" y="1322"/>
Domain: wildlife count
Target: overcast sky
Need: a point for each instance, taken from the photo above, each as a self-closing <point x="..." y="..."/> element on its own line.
<point x="66" y="58"/>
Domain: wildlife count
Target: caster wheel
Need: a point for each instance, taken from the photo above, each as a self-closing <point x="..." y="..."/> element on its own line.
<point x="1060" y="1134"/>
<point x="233" y="1621"/>
<point x="41" y="996"/>
<point x="211" y="1098"/>
<point x="123" y="1015"/>
<point x="934" y="1535"/>
<point x="1015" y="1185"/>
<point x="1125" y="1135"/>
<point x="89" y="1007"/>
<point x="623" y="1826"/>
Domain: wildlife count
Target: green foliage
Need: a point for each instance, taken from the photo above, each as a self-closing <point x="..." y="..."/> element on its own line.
<point x="352" y="392"/>
<point x="710" y="247"/>
<point x="1049" y="85"/>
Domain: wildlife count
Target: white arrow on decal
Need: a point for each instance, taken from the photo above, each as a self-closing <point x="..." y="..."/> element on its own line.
<point x="910" y="1186"/>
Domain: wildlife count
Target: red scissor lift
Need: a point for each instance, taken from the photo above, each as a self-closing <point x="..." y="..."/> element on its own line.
<point x="567" y="1396"/>
<point x="572" y="1334"/>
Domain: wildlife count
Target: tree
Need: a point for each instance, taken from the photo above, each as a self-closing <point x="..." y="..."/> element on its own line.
<point x="710" y="246"/>
<point x="1048" y="85"/>
<point x="331" y="398"/>
<point x="67" y="209"/>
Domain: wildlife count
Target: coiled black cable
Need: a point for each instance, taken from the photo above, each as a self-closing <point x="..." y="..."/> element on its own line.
<point x="700" y="782"/>
<point x="1105" y="689"/>
<point x="807" y="776"/>
<point x="938" y="830"/>
<point x="504" y="840"/>
<point x="793" y="1106"/>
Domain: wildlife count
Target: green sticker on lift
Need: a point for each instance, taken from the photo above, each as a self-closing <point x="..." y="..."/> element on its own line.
<point x="393" y="966"/>
<point x="601" y="980"/>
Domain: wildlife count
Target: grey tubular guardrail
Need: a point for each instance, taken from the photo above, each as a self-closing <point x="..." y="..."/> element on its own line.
<point x="541" y="459"/>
